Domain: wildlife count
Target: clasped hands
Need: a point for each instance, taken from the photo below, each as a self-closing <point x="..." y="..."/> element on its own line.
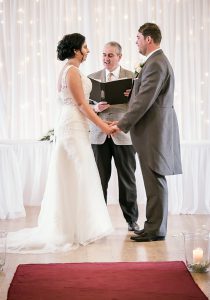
<point x="103" y="105"/>
<point x="113" y="127"/>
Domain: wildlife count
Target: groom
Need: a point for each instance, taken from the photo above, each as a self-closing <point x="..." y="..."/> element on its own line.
<point x="152" y="122"/>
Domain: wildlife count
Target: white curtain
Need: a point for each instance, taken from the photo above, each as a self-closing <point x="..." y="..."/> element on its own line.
<point x="31" y="29"/>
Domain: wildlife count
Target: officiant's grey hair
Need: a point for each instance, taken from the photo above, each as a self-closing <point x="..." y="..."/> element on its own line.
<point x="116" y="45"/>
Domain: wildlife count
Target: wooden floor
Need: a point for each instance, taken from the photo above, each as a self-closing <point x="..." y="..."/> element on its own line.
<point x="115" y="248"/>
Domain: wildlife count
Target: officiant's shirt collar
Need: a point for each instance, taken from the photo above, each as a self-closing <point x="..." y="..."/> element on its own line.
<point x="116" y="73"/>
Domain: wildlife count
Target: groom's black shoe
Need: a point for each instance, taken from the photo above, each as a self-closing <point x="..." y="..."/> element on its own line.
<point x="133" y="226"/>
<point x="139" y="232"/>
<point x="146" y="237"/>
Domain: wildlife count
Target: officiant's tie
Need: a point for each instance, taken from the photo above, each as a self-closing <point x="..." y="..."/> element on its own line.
<point x="110" y="76"/>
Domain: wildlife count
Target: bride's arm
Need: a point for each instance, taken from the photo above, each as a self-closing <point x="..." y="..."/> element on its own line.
<point x="75" y="85"/>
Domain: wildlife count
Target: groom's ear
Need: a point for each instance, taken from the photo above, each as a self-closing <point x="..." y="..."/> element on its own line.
<point x="149" y="39"/>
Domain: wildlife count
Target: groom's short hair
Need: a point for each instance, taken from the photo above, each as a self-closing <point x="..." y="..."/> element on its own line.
<point x="152" y="30"/>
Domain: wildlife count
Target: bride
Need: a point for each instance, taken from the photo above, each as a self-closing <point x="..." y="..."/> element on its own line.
<point x="73" y="210"/>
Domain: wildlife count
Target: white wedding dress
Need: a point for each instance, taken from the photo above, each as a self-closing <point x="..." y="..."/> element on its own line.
<point x="73" y="210"/>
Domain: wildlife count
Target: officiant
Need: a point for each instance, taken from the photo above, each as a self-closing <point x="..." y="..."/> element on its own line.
<point x="118" y="147"/>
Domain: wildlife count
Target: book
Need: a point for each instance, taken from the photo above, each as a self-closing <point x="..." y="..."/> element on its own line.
<point x="112" y="91"/>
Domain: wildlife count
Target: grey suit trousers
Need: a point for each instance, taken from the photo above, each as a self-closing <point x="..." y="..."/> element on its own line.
<point x="157" y="200"/>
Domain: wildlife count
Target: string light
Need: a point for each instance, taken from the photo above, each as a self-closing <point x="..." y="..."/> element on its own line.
<point x="43" y="81"/>
<point x="22" y="63"/>
<point x="24" y="106"/>
<point x="27" y="59"/>
<point x="99" y="10"/>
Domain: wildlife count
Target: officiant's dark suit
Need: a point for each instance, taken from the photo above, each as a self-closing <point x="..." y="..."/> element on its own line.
<point x="118" y="147"/>
<point x="152" y="122"/>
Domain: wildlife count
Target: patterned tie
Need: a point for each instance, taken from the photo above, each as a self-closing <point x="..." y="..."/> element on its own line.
<point x="110" y="77"/>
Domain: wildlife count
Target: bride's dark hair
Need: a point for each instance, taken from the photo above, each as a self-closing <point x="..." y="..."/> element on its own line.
<point x="69" y="44"/>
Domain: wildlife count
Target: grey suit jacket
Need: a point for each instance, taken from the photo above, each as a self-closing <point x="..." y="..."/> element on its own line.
<point x="151" y="118"/>
<point x="113" y="113"/>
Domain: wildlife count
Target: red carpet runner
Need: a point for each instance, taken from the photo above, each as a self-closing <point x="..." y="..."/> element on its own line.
<point x="104" y="281"/>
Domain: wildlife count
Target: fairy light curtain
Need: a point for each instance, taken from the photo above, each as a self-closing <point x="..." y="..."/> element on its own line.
<point x="31" y="29"/>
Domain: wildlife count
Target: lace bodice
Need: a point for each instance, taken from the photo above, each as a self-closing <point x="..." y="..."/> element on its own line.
<point x="70" y="117"/>
<point x="65" y="95"/>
